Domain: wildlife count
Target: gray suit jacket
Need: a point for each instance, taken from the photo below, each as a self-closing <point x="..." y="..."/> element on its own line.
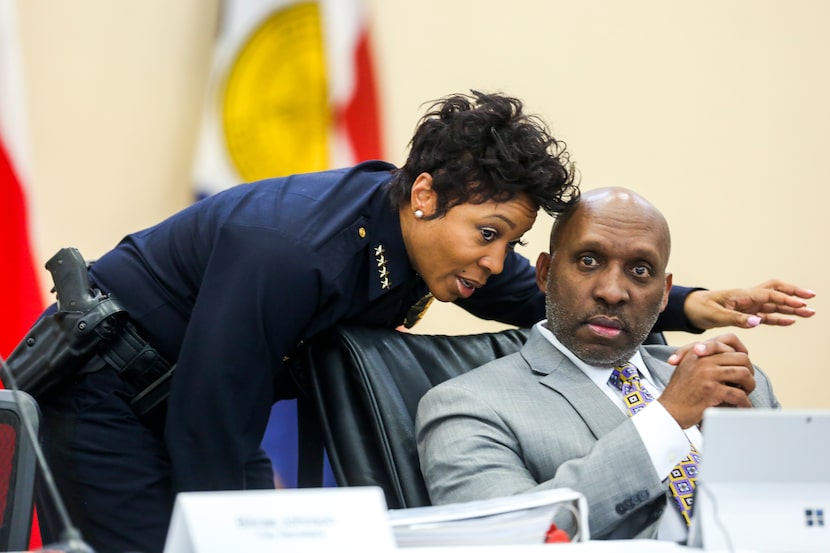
<point x="533" y="420"/>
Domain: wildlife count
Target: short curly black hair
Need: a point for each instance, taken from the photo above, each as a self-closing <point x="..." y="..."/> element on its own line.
<point x="482" y="147"/>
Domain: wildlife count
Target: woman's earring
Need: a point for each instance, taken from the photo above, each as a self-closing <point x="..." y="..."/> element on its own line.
<point x="418" y="213"/>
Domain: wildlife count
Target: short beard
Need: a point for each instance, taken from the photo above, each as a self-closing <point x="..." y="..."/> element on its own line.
<point x="558" y="317"/>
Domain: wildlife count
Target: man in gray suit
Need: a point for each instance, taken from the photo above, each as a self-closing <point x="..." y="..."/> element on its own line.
<point x="547" y="416"/>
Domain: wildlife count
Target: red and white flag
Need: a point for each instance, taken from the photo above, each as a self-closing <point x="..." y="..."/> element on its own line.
<point x="291" y="91"/>
<point x="23" y="298"/>
<point x="18" y="278"/>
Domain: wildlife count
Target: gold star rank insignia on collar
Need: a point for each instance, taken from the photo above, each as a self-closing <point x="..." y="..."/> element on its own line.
<point x="383" y="271"/>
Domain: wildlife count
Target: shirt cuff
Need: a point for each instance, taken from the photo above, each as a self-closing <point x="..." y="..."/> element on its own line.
<point x="665" y="441"/>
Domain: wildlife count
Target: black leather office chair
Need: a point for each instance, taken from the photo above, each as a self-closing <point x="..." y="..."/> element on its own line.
<point x="18" y="466"/>
<point x="359" y="390"/>
<point x="363" y="386"/>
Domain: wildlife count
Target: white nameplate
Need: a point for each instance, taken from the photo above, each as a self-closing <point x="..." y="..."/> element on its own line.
<point x="293" y="520"/>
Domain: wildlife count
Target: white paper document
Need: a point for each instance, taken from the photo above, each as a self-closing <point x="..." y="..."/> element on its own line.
<point x="514" y="520"/>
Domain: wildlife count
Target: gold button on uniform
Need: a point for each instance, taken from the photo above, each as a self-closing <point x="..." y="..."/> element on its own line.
<point x="362" y="232"/>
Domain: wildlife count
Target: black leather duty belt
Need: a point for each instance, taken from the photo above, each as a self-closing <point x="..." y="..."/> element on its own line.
<point x="145" y="369"/>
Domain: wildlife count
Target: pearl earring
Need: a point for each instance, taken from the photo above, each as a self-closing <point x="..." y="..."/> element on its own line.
<point x="418" y="213"/>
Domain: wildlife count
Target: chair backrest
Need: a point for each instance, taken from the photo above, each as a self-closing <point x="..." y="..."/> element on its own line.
<point x="359" y="390"/>
<point x="363" y="386"/>
<point x="18" y="466"/>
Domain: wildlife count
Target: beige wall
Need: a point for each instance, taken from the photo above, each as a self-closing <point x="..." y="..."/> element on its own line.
<point x="715" y="110"/>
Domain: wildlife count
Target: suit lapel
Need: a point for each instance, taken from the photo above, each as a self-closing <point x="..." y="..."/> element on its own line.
<point x="557" y="372"/>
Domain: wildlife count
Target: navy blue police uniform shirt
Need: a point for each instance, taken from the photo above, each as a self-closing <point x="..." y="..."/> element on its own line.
<point x="229" y="286"/>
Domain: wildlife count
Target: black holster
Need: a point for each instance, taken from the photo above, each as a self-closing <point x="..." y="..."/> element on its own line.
<point x="86" y="324"/>
<point x="55" y="351"/>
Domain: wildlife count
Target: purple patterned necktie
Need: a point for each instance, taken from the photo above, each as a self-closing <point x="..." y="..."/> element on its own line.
<point x="683" y="476"/>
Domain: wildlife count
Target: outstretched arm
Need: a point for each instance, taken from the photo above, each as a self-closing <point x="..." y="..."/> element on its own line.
<point x="773" y="302"/>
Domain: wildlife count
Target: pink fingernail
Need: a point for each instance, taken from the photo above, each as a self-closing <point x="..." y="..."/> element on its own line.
<point x="754" y="321"/>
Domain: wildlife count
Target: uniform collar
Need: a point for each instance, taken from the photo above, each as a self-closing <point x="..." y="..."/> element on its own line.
<point x="389" y="265"/>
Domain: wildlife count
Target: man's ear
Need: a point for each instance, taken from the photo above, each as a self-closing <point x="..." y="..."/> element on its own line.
<point x="422" y="195"/>
<point x="666" y="292"/>
<point x="542" y="270"/>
